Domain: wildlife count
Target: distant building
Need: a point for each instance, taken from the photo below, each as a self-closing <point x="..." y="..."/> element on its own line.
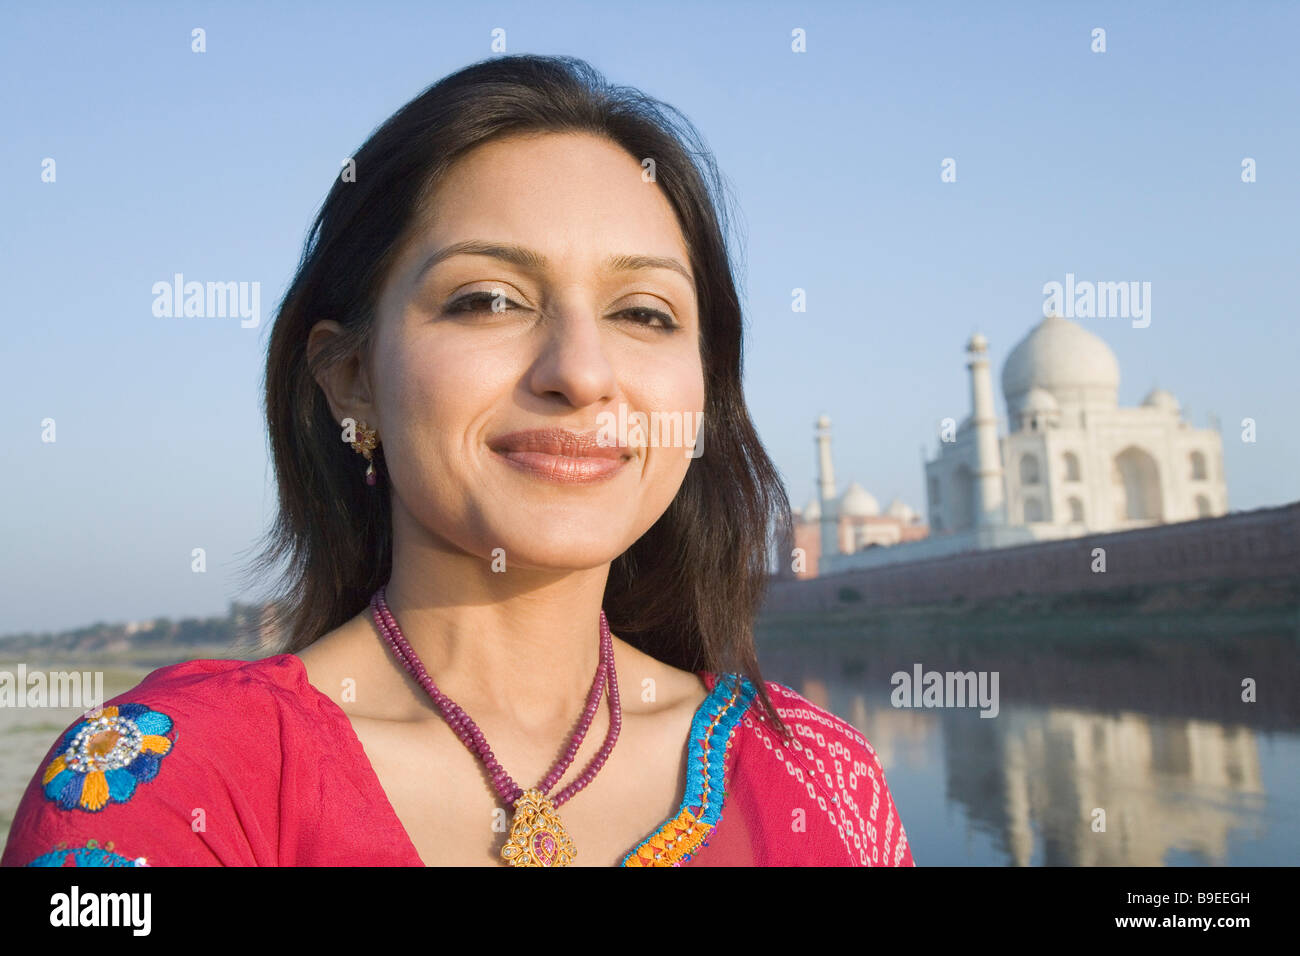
<point x="846" y="523"/>
<point x="1071" y="462"/>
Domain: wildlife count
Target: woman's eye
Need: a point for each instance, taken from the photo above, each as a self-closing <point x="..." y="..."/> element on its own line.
<point x="649" y="316"/>
<point x="471" y="302"/>
<point x="479" y="301"/>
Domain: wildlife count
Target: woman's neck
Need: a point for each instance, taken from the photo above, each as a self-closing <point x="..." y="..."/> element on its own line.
<point x="524" y="643"/>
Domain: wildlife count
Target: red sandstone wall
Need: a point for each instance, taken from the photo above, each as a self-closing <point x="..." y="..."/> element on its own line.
<point x="1255" y="544"/>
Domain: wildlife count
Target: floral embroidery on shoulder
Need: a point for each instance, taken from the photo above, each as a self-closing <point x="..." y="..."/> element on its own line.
<point x="106" y="756"/>
<point x="92" y="854"/>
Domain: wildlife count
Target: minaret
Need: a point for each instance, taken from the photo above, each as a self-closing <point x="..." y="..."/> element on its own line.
<point x="830" y="522"/>
<point x="989" y="495"/>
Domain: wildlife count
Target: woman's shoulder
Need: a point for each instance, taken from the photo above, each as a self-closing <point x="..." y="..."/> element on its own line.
<point x="815" y="726"/>
<point x="823" y="758"/>
<point x="217" y="712"/>
<point x="824" y="738"/>
<point x="813" y="723"/>
<point x="198" y="679"/>
<point x="192" y="742"/>
<point x="209" y="700"/>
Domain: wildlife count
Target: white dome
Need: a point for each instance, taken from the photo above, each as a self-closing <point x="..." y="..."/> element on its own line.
<point x="856" y="502"/>
<point x="1065" y="359"/>
<point x="1159" y="398"/>
<point x="812" y="511"/>
<point x="898" y="509"/>
<point x="1039" y="400"/>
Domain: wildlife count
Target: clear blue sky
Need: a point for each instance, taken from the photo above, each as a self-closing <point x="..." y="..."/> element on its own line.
<point x="1114" y="166"/>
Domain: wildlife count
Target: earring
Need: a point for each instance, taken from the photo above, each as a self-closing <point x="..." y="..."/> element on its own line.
<point x="367" y="439"/>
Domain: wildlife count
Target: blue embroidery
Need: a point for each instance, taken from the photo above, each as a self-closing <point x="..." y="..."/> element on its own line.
<point x="103" y="758"/>
<point x="92" y="854"/>
<point x="727" y="718"/>
<point x="678" y="839"/>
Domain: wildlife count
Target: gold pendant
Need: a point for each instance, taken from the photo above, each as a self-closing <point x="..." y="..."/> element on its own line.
<point x="537" y="837"/>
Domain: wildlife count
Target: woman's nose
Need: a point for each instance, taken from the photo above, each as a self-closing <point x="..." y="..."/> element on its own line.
<point x="573" y="359"/>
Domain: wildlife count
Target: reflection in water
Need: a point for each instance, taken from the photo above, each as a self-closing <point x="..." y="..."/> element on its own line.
<point x="1023" y="788"/>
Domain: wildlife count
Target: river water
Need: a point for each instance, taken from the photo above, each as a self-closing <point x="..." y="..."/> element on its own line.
<point x="1142" y="760"/>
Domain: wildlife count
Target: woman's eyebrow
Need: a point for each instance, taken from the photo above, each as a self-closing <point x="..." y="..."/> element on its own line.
<point x="535" y="261"/>
<point x="633" y="263"/>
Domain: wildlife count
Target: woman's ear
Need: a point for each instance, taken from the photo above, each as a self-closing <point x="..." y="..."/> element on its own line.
<point x="346" y="383"/>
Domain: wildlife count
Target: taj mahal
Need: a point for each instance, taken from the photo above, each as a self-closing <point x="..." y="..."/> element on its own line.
<point x="1072" y="461"/>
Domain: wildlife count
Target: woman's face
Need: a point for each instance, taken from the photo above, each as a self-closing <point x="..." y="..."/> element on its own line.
<point x="549" y="331"/>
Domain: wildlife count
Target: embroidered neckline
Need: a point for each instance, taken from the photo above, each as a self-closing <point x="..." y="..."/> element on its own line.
<point x="711" y="731"/>
<point x="675" y="839"/>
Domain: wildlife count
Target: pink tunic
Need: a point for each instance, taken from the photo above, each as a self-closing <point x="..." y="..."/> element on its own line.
<point x="245" y="763"/>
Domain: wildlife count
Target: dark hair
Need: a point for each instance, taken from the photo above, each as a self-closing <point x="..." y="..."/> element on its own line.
<point x="689" y="590"/>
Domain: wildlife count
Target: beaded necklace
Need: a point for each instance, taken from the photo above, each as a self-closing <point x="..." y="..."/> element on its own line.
<point x="537" y="837"/>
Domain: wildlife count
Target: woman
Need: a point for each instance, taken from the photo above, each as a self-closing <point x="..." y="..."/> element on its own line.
<point x="516" y="266"/>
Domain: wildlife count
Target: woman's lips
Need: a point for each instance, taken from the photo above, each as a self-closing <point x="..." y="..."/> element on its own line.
<point x="562" y="469"/>
<point x="560" y="455"/>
